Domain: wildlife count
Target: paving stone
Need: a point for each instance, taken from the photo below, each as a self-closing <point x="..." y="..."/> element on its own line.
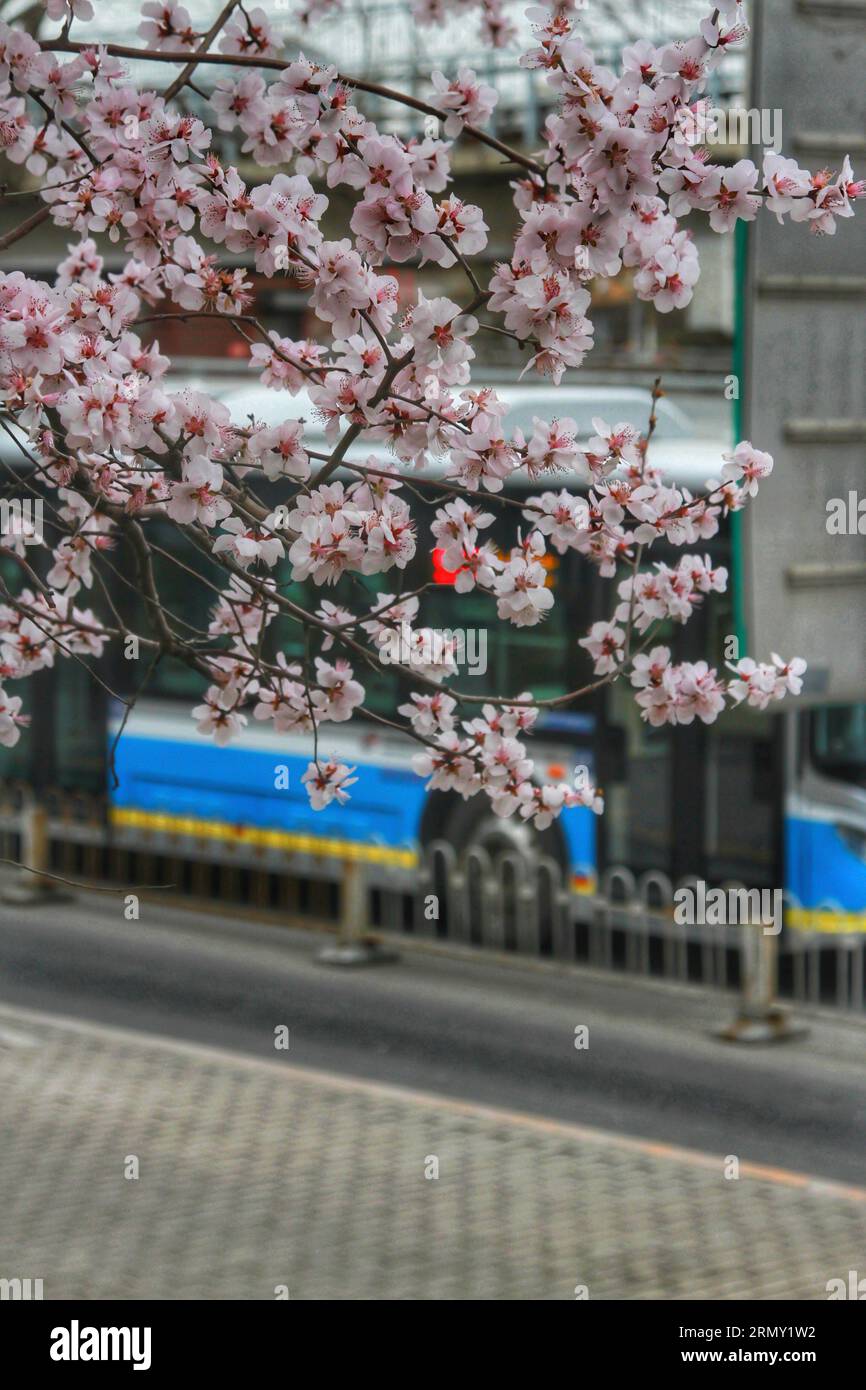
<point x="254" y="1175"/>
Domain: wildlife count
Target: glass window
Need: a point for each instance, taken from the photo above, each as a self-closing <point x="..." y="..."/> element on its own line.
<point x="839" y="742"/>
<point x="188" y="605"/>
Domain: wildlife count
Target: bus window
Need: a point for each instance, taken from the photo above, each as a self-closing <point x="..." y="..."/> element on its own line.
<point x="743" y="799"/>
<point x="838" y="742"/>
<point x="633" y="837"/>
<point x="189" y="608"/>
<point x="539" y="658"/>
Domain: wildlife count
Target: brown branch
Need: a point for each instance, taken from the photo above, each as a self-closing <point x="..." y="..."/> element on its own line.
<point x="70" y="131"/>
<point x="88" y="887"/>
<point x="24" y="228"/>
<point x="31" y="573"/>
<point x="205" y="44"/>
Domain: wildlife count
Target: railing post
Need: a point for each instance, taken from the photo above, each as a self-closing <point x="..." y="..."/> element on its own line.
<point x="760" y="1017"/>
<point x="355" y="945"/>
<point x="29" y="889"/>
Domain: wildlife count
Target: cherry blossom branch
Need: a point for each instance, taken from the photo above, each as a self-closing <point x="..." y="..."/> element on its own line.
<point x="201" y="52"/>
<point x="24" y="228"/>
<point x="240" y="60"/>
<point x="118" y="448"/>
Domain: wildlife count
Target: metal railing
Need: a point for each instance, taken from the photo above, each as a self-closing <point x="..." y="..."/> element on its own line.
<point x="626" y="925"/>
<point x="517" y="904"/>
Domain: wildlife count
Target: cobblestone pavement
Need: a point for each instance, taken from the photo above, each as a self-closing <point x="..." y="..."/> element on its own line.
<point x="255" y="1175"/>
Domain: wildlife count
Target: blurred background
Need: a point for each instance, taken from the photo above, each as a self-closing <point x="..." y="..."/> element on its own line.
<point x="772" y="347"/>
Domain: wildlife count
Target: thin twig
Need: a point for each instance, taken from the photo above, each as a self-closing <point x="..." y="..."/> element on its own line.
<point x="88" y="887"/>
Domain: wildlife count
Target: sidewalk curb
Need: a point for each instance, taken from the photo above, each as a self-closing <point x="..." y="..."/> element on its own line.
<point x="386" y="1091"/>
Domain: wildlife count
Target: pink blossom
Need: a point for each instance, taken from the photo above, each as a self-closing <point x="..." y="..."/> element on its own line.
<point x="522" y="596"/>
<point x="465" y="98"/>
<point x="604" y="644"/>
<point x="280" y="451"/>
<point x="11" y="719"/>
<point x="327" y="782"/>
<point x="197" y="497"/>
<point x="249" y="34"/>
<point x="166" y="25"/>
<point x="247" y="544"/>
<point x="218" y="715"/>
<point x="749" y="465"/>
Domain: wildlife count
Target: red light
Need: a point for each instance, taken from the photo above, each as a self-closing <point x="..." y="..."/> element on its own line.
<point x="440" y="574"/>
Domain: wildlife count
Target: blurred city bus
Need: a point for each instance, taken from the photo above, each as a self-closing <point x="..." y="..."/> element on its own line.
<point x="765" y="799"/>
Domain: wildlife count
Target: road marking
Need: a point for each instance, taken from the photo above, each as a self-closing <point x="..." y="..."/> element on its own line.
<point x="519" y="1119"/>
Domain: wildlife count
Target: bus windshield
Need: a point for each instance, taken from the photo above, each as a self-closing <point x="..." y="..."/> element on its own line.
<point x="839" y="742"/>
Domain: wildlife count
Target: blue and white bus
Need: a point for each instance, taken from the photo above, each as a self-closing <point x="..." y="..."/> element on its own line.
<point x="781" y="801"/>
<point x="771" y="800"/>
<point x="825" y="819"/>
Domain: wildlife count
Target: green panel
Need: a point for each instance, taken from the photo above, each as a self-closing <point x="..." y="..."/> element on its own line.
<point x="741" y="254"/>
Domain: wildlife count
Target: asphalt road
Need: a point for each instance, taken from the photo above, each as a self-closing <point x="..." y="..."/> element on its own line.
<point x="465" y="1028"/>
